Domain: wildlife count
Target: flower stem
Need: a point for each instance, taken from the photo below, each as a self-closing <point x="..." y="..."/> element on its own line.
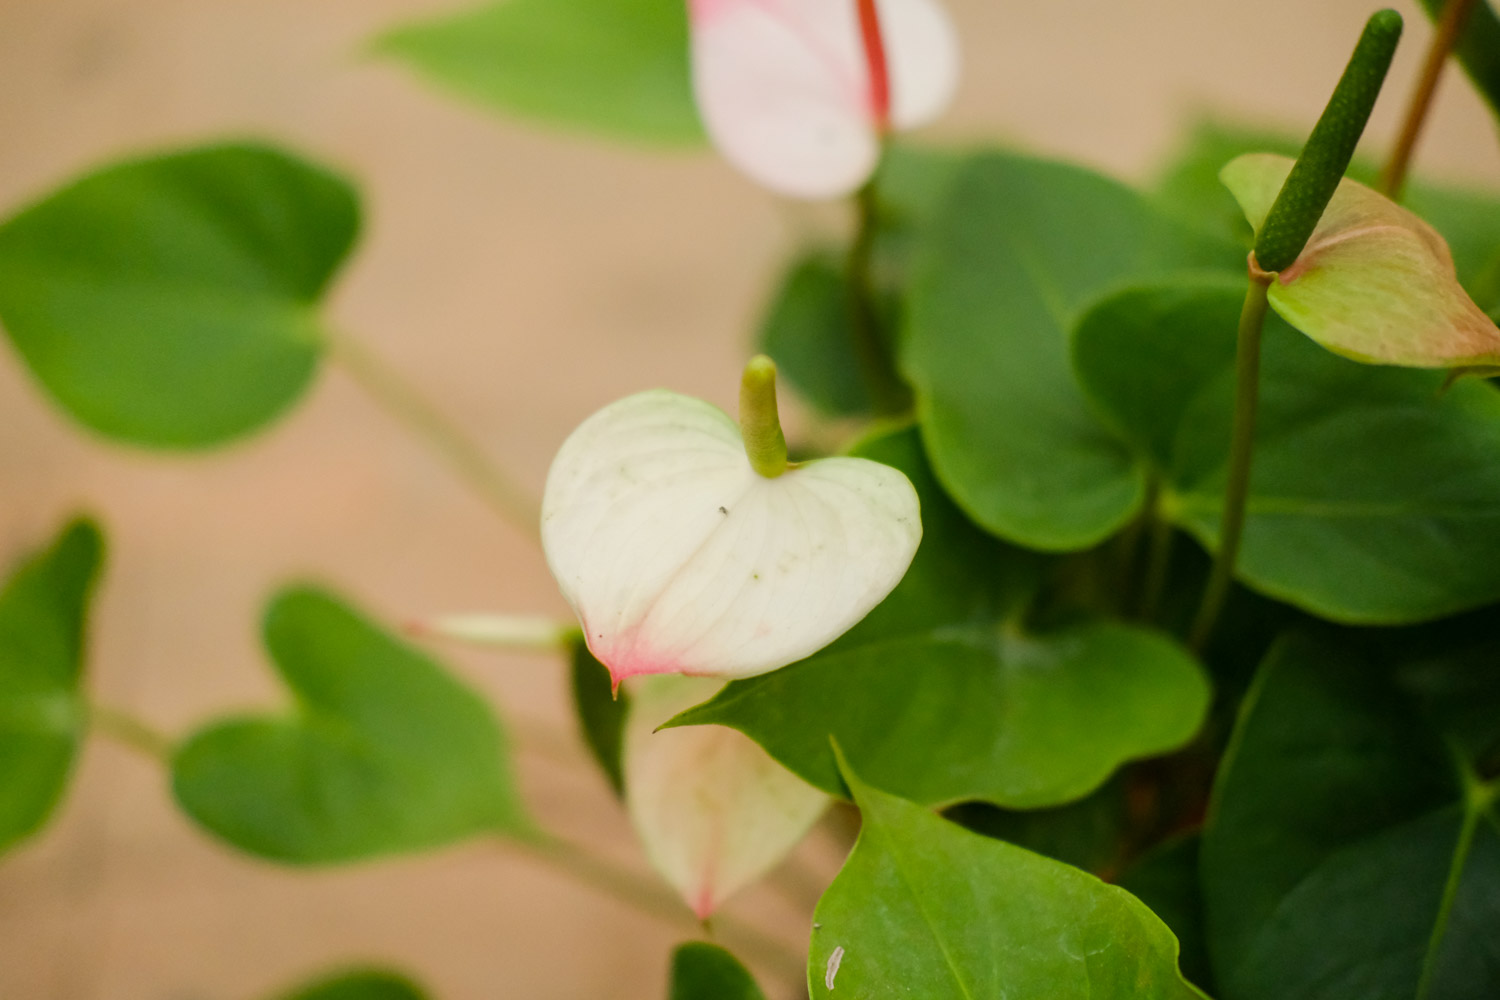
<point x="646" y="895"/>
<point x="1158" y="564"/>
<point x="129" y="731"/>
<point x="388" y="388"/>
<point x="888" y="394"/>
<point x="1455" y="14"/>
<point x="1241" y="449"/>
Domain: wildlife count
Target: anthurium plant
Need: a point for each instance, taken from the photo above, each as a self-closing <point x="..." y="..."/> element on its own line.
<point x="1139" y="638"/>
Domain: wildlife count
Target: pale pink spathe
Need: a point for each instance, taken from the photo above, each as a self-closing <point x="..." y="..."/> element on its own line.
<point x="783" y="86"/>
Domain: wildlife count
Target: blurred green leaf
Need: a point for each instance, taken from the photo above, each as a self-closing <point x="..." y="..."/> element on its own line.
<point x="1346" y="856"/>
<point x="1374" y="498"/>
<point x="1166" y="879"/>
<point x="383" y="752"/>
<point x="1469" y="219"/>
<point x="1478" y="47"/>
<point x="924" y="908"/>
<point x="944" y="664"/>
<point x="808" y="330"/>
<point x="359" y="984"/>
<point x="172" y="301"/>
<point x="1016" y="249"/>
<point x="616" y="67"/>
<point x="601" y="713"/>
<point x="703" y="971"/>
<point x="43" y="623"/>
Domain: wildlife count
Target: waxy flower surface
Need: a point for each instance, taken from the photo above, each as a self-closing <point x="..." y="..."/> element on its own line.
<point x="798" y="93"/>
<point x="1375" y="283"/>
<point x="712" y="809"/>
<point x="680" y="557"/>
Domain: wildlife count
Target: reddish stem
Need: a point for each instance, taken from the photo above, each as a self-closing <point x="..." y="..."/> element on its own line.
<point x="880" y="74"/>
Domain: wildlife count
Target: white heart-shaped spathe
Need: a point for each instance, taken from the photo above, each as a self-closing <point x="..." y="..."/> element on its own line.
<point x="713" y="811"/>
<point x="783" y="86"/>
<point x="679" y="558"/>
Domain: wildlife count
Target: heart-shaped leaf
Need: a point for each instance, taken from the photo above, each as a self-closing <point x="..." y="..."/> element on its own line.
<point x="1016" y="249"/>
<point x="616" y="67"/>
<point x="1348" y="855"/>
<point x="679" y="557"/>
<point x="359" y="984"/>
<point x="809" y="330"/>
<point x="43" y="619"/>
<point x="924" y="908"/>
<point x="788" y="94"/>
<point x="1372" y="496"/>
<point x="384" y="752"/>
<point x="703" y="971"/>
<point x="944" y="665"/>
<point x="172" y="301"/>
<point x="712" y="810"/>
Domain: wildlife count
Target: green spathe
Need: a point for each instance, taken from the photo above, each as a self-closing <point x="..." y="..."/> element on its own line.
<point x="43" y="616"/>
<point x="1374" y="283"/>
<point x="924" y="908"/>
<point x="172" y="301"/>
<point x="383" y="752"/>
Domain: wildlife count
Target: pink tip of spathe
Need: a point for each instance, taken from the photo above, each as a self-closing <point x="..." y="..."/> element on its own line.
<point x="703" y="11"/>
<point x="632" y="662"/>
<point x="704" y="903"/>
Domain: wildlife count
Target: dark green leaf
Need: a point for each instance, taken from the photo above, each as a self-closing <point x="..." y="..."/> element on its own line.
<point x="1374" y="498"/>
<point x="1478" y="47"/>
<point x="1166" y="879"/>
<point x="809" y="332"/>
<point x="1346" y="857"/>
<point x="1015" y="250"/>
<point x="944" y="664"/>
<point x="1469" y="219"/>
<point x="359" y="984"/>
<point x="924" y="908"/>
<point x="384" y="752"/>
<point x="702" y="971"/>
<point x="617" y="67"/>
<point x="43" y="622"/>
<point x="600" y="712"/>
<point x="172" y="301"/>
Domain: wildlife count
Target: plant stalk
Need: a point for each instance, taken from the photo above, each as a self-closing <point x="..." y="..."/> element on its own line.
<point x="388" y="388"/>
<point x="1455" y="15"/>
<point x="1241" y="449"/>
<point x="656" y="901"/>
<point x="131" y="732"/>
<point x="888" y="394"/>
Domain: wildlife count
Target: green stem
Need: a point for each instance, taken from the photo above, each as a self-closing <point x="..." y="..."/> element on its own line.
<point x="1455" y="15"/>
<point x="129" y="731"/>
<point x="1478" y="797"/>
<point x="1158" y="563"/>
<point x="649" y="897"/>
<point x="388" y="388"/>
<point x="1241" y="449"/>
<point x="888" y="394"/>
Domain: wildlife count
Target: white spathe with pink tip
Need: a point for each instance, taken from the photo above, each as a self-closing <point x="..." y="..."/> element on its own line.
<point x="785" y="89"/>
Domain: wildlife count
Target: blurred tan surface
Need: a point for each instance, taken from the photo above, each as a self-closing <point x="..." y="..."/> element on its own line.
<point x="523" y="279"/>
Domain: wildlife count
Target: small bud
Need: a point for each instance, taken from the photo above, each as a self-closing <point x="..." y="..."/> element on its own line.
<point x="680" y="557"/>
<point x="787" y="90"/>
<point x="712" y="809"/>
<point x="1374" y="283"/>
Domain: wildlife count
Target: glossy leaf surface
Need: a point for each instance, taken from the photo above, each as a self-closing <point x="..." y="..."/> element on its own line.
<point x="43" y="635"/>
<point x="703" y="971"/>
<point x="1372" y="496"/>
<point x="383" y="753"/>
<point x="615" y="67"/>
<point x="1346" y="855"/>
<point x="944" y="665"/>
<point x="172" y="301"/>
<point x="1016" y="249"/>
<point x="925" y="908"/>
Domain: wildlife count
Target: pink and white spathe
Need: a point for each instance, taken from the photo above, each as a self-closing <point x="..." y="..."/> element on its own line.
<point x="679" y="558"/>
<point x="798" y="93"/>
<point x="713" y="811"/>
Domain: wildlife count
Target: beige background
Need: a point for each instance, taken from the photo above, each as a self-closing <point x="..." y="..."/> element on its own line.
<point x="524" y="279"/>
